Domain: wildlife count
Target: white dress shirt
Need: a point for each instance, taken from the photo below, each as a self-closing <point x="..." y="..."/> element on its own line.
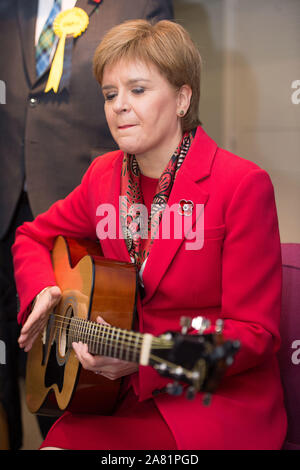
<point x="44" y="8"/>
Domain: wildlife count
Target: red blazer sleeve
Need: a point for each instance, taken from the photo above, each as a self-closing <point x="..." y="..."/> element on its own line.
<point x="251" y="272"/>
<point x="70" y="217"/>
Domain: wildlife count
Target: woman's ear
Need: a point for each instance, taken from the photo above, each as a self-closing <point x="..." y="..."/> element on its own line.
<point x="183" y="100"/>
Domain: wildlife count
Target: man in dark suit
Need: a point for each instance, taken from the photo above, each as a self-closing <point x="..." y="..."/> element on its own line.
<point x="47" y="140"/>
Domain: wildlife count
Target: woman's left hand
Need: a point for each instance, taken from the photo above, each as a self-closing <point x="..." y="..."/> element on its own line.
<point x="109" y="367"/>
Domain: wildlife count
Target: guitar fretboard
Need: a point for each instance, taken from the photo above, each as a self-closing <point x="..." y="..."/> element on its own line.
<point x="106" y="340"/>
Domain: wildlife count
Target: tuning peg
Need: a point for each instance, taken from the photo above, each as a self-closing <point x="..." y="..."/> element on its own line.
<point x="229" y="361"/>
<point x="200" y="324"/>
<point x="162" y="368"/>
<point x="219" y="326"/>
<point x="174" y="388"/>
<point x="190" y="393"/>
<point x="235" y="346"/>
<point x="177" y="371"/>
<point x="185" y="323"/>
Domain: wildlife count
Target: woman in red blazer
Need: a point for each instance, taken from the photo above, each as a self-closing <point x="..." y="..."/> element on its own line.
<point x="232" y="271"/>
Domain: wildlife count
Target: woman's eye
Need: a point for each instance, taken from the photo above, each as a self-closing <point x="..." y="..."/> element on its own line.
<point x="138" y="90"/>
<point x="109" y="96"/>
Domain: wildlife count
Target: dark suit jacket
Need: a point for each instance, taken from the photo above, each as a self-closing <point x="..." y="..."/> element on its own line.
<point x="52" y="138"/>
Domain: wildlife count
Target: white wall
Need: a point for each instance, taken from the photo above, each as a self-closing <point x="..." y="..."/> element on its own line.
<point x="251" y="55"/>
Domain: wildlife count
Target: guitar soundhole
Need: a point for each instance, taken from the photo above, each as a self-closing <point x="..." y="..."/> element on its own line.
<point x="63" y="338"/>
<point x="59" y="351"/>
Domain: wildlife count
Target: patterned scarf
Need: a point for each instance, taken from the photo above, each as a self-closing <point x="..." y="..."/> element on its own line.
<point x="138" y="229"/>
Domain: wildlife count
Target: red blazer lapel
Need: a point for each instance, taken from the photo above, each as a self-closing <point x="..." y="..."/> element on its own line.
<point x="187" y="186"/>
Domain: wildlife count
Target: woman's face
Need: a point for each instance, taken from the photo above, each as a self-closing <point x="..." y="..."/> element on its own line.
<point x="141" y="109"/>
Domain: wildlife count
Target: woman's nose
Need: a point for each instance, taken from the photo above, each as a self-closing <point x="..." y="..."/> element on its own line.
<point x="121" y="103"/>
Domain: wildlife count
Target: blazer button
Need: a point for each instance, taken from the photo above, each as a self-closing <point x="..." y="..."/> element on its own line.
<point x="33" y="102"/>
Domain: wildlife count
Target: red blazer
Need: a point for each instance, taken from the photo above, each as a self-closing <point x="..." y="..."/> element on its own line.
<point x="236" y="275"/>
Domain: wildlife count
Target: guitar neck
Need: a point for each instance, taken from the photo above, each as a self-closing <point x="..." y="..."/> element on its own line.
<point x="107" y="340"/>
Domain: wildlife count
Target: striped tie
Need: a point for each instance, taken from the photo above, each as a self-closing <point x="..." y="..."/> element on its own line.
<point x="46" y="41"/>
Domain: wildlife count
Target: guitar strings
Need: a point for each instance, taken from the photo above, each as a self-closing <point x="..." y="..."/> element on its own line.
<point x="128" y="337"/>
<point x="128" y="346"/>
<point x="129" y="343"/>
<point x="107" y="337"/>
<point x="66" y="321"/>
<point x="122" y="348"/>
<point x="83" y="322"/>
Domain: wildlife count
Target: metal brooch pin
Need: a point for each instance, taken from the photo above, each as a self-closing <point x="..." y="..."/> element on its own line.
<point x="185" y="207"/>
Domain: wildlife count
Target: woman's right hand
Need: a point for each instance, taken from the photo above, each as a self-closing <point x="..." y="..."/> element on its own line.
<point x="45" y="301"/>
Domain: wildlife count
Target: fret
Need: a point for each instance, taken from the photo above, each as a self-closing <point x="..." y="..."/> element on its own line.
<point x="101" y="336"/>
<point x="84" y="331"/>
<point x="136" y="352"/>
<point x="76" y="333"/>
<point x="97" y="338"/>
<point x="80" y="329"/>
<point x="103" y="345"/>
<point x="116" y="354"/>
<point x="100" y="339"/>
<point x="116" y="339"/>
<point x="110" y="342"/>
<point x="133" y="343"/>
<point x="89" y="336"/>
<point x="94" y="335"/>
<point x="93" y="338"/>
<point x="106" y="340"/>
<point x="126" y="342"/>
<point x="127" y="345"/>
<point x="127" y="356"/>
<point x="121" y="344"/>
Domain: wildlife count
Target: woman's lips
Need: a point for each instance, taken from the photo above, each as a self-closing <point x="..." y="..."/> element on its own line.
<point x="126" y="126"/>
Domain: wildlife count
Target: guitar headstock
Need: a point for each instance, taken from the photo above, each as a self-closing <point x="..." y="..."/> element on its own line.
<point x="199" y="360"/>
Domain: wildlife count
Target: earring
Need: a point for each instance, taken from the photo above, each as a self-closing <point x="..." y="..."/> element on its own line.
<point x="181" y="113"/>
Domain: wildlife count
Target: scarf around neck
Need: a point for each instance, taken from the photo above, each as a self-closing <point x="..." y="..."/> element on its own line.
<point x="139" y="229"/>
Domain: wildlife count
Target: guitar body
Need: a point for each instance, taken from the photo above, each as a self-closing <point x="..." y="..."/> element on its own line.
<point x="91" y="285"/>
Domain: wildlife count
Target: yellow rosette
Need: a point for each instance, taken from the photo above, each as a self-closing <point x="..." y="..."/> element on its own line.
<point x="71" y="22"/>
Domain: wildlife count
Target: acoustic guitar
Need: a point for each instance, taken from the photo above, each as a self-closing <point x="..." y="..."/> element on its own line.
<point x="92" y="285"/>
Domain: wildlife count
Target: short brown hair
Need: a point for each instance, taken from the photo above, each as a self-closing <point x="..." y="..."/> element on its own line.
<point x="165" y="44"/>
